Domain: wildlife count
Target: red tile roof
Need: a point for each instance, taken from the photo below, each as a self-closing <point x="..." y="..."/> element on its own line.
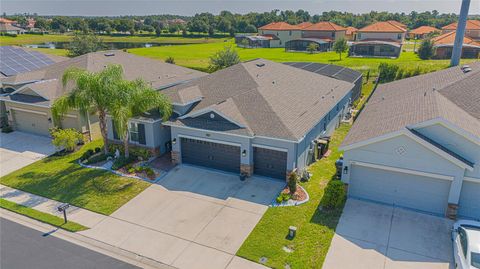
<point x="351" y="30"/>
<point x="384" y="26"/>
<point x="424" y="30"/>
<point x="397" y="23"/>
<point x="279" y="26"/>
<point x="6" y="21"/>
<point x="471" y="25"/>
<point x="325" y="26"/>
<point x="449" y="39"/>
<point x="304" y="24"/>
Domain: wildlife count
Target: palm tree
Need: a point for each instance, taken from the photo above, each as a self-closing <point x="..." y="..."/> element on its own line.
<point x="91" y="93"/>
<point x="132" y="99"/>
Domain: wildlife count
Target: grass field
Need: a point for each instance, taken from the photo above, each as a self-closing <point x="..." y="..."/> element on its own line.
<point x="38" y="39"/>
<point x="197" y="56"/>
<point x="315" y="227"/>
<point x="61" y="178"/>
<point x="41" y="216"/>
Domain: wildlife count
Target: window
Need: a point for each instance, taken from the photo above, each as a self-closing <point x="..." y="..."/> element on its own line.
<point x="133" y="132"/>
<point x="333" y="34"/>
<point x="290" y="33"/>
<point x="463" y="240"/>
<point x="359" y="35"/>
<point x="399" y="36"/>
<point x="475" y="257"/>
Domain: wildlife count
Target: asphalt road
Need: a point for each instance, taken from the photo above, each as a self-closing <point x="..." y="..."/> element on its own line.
<point x="22" y="247"/>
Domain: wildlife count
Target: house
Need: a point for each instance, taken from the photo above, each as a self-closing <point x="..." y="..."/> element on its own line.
<point x="380" y="39"/>
<point x="322" y="33"/>
<point x="7" y="28"/>
<point x="282" y="31"/>
<point x="417" y="144"/>
<point x="472" y="29"/>
<point x="351" y="33"/>
<point x="7" y="21"/>
<point x="443" y="45"/>
<point x="257" y="117"/>
<point x="254" y="41"/>
<point x="28" y="106"/>
<point x="422" y="32"/>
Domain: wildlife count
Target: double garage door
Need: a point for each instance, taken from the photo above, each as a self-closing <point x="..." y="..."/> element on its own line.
<point x="30" y="122"/>
<point x="267" y="162"/>
<point x="417" y="192"/>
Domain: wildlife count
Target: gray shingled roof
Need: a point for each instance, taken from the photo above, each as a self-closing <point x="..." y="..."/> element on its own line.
<point x="157" y="73"/>
<point x="450" y="94"/>
<point x="270" y="99"/>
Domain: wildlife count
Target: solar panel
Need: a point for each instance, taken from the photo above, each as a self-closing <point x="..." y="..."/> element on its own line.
<point x="335" y="71"/>
<point x="18" y="60"/>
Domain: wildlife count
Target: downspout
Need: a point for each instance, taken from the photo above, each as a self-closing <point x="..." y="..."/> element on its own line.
<point x="462" y="22"/>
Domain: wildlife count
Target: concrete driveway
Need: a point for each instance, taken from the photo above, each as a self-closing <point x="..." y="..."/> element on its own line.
<point x="383" y="237"/>
<point x="193" y="218"/>
<point x="19" y="149"/>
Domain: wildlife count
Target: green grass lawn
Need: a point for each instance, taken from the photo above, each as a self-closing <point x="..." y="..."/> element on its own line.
<point x="62" y="179"/>
<point x="315" y="227"/>
<point x="41" y="216"/>
<point x="38" y="39"/>
<point x="197" y="56"/>
<point x="58" y="52"/>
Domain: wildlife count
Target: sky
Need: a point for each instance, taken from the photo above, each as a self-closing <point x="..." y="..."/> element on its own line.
<point x="190" y="7"/>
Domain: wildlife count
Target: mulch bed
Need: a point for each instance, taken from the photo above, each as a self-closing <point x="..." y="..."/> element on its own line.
<point x="299" y="195"/>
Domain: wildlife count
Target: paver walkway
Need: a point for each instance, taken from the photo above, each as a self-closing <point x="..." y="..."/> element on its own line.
<point x="79" y="215"/>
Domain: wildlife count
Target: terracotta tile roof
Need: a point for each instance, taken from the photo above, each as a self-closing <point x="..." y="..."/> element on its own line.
<point x="270" y="37"/>
<point x="325" y="26"/>
<point x="383" y="26"/>
<point x="397" y="23"/>
<point x="424" y="30"/>
<point x="304" y="25"/>
<point x="6" y="21"/>
<point x="351" y="30"/>
<point x="279" y="26"/>
<point x="449" y="39"/>
<point x="471" y="25"/>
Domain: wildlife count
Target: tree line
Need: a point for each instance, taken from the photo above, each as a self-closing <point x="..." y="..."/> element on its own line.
<point x="227" y="22"/>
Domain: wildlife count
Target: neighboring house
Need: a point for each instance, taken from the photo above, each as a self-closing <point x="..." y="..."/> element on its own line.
<point x="322" y="33"/>
<point x="443" y="45"/>
<point x="254" y="41"/>
<point x="380" y="39"/>
<point x="472" y="29"/>
<point x="29" y="105"/>
<point x="351" y="33"/>
<point x="7" y="28"/>
<point x="422" y="32"/>
<point x="416" y="144"/>
<point x="7" y="21"/>
<point x="257" y="117"/>
<point x="282" y="31"/>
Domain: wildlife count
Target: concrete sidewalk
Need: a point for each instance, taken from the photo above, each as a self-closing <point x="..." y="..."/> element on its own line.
<point x="79" y="215"/>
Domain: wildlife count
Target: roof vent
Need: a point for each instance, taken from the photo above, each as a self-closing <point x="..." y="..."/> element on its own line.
<point x="109" y="54"/>
<point x="260" y="65"/>
<point x="466" y="69"/>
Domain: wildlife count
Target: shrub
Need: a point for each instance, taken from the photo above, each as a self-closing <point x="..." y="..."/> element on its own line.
<point x="98" y="149"/>
<point x="387" y="72"/>
<point x="149" y="171"/>
<point x="334" y="195"/>
<point x="134" y="151"/>
<point x="131" y="170"/>
<point x="283" y="197"/>
<point x="67" y="139"/>
<point x="121" y="162"/>
<point x="97" y="158"/>
<point x="292" y="182"/>
<point x="426" y="49"/>
<point x="170" y="60"/>
<point x="223" y="59"/>
<point x="7" y="129"/>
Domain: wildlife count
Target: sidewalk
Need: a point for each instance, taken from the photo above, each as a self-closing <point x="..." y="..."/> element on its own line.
<point x="79" y="215"/>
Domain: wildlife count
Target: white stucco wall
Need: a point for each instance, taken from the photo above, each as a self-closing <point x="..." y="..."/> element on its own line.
<point x="284" y="36"/>
<point x="366" y="35"/>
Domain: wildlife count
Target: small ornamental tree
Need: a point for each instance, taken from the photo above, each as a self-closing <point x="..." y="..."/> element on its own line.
<point x="340" y="46"/>
<point x="244" y="43"/>
<point x="387" y="72"/>
<point x="292" y="183"/>
<point x="426" y="49"/>
<point x="312" y="47"/>
<point x="66" y="138"/>
<point x="223" y="59"/>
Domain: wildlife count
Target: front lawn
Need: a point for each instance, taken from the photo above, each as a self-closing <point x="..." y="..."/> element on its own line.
<point x="315" y="227"/>
<point x="61" y="178"/>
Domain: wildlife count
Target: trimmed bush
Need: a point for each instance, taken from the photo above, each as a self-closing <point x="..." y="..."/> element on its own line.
<point x="334" y="195"/>
<point x="283" y="197"/>
<point x="67" y="139"/>
<point x="97" y="158"/>
<point x="98" y="149"/>
<point x="292" y="182"/>
<point x="121" y="162"/>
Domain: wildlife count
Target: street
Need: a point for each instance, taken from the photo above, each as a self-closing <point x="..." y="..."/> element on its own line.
<point x="22" y="247"/>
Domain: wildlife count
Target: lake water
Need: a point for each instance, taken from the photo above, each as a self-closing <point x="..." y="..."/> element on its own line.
<point x="109" y="45"/>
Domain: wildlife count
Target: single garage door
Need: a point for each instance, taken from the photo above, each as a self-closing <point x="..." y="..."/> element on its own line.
<point x="400" y="189"/>
<point x="209" y="154"/>
<point x="30" y="122"/>
<point x="269" y="163"/>
<point x="469" y="205"/>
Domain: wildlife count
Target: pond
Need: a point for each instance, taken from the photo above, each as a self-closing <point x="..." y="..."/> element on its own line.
<point x="109" y="45"/>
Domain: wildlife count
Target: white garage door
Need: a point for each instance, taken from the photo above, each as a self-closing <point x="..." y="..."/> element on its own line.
<point x="401" y="189"/>
<point x="469" y="205"/>
<point x="31" y="122"/>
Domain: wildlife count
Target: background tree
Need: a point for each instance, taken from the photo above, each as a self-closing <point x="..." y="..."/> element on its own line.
<point x="312" y="47"/>
<point x="83" y="43"/>
<point x="91" y="94"/>
<point x="426" y="49"/>
<point x="223" y="59"/>
<point x="244" y="43"/>
<point x="132" y="99"/>
<point x="340" y="46"/>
